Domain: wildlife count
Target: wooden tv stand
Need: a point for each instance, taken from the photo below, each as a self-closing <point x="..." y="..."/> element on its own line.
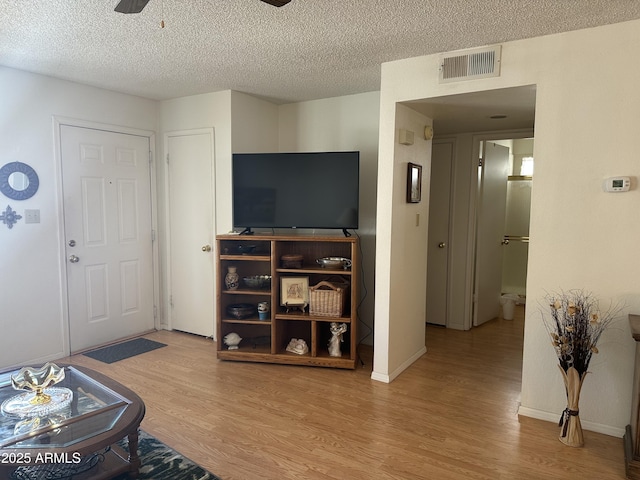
<point x="266" y="340"/>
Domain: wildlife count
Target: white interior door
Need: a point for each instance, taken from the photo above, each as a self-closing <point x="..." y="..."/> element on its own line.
<point x="191" y="198"/>
<point x="490" y="232"/>
<point x="516" y="252"/>
<point x="108" y="234"/>
<point x="438" y="239"/>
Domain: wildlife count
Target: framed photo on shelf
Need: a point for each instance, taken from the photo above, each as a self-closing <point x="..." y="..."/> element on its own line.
<point x="414" y="183"/>
<point x="294" y="291"/>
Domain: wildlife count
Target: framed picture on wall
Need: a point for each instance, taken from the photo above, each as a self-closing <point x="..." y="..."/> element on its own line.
<point x="414" y="183"/>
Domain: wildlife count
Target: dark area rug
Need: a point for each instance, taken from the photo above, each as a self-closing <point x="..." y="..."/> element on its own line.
<point x="120" y="351"/>
<point x="160" y="462"/>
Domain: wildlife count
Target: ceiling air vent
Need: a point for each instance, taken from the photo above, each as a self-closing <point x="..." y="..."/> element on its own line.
<point x="470" y="64"/>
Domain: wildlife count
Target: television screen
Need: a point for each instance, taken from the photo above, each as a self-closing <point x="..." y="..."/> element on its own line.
<point x="296" y="190"/>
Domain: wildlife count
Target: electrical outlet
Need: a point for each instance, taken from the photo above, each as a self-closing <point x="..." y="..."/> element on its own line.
<point x="32" y="216"/>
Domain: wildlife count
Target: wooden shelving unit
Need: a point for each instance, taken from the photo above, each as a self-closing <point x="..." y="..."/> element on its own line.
<point x="266" y="340"/>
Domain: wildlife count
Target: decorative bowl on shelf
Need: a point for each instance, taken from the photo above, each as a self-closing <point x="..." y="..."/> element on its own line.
<point x="257" y="281"/>
<point x="334" y="262"/>
<point x="291" y="260"/>
<point x="244" y="249"/>
<point x="242" y="310"/>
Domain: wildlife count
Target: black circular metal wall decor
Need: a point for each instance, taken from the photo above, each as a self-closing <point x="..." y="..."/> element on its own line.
<point x="32" y="181"/>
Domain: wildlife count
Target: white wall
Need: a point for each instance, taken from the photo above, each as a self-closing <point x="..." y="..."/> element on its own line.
<point x="577" y="232"/>
<point x="343" y="123"/>
<point x="32" y="324"/>
<point x="254" y="124"/>
<point x="401" y="278"/>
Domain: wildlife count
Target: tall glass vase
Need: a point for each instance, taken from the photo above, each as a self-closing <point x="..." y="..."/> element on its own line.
<point x="570" y="427"/>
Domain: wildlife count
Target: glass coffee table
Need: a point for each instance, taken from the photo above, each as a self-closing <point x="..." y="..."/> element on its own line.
<point x="78" y="439"/>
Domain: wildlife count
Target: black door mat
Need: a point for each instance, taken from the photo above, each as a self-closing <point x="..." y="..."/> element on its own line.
<point x="120" y="351"/>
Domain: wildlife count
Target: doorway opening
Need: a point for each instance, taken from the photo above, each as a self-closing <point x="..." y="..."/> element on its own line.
<point x="461" y="123"/>
<point x="505" y="177"/>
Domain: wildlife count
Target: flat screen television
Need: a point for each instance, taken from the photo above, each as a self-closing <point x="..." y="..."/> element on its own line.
<point x="296" y="190"/>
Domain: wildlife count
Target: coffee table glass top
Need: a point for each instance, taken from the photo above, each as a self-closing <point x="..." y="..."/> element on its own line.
<point x="93" y="409"/>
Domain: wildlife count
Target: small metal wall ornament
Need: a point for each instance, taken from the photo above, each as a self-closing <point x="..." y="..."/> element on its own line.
<point x="9" y="217"/>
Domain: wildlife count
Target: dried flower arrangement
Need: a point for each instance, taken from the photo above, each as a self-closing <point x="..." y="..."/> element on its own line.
<point x="575" y="326"/>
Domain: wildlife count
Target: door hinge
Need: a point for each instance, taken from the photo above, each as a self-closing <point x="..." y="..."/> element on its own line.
<point x="480" y="162"/>
<point x="155" y="312"/>
<point x="167" y="158"/>
<point x="150" y="157"/>
<point x="171" y="300"/>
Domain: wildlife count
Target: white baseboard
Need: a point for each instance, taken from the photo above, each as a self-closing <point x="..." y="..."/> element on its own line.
<point x="586" y="425"/>
<point x="380" y="377"/>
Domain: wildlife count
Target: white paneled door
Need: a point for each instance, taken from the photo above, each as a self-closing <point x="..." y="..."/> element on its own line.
<point x="490" y="232"/>
<point x="191" y="197"/>
<point x="438" y="239"/>
<point x="108" y="233"/>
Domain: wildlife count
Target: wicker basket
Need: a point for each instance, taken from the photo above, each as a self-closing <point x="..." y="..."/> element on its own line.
<point x="327" y="302"/>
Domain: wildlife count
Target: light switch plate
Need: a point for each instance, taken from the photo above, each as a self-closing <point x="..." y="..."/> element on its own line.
<point x="32" y="216"/>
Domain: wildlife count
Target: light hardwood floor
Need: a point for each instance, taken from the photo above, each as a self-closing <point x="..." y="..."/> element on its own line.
<point x="451" y="415"/>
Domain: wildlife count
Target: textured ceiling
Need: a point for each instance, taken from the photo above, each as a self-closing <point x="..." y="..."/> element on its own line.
<point x="308" y="49"/>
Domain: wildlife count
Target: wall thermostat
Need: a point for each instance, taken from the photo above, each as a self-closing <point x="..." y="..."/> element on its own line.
<point x="617" y="184"/>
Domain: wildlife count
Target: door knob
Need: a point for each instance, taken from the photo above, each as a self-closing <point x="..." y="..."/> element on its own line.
<point x="206" y="248"/>
<point x="74" y="259"/>
<point x="442" y="245"/>
<point x="72" y="243"/>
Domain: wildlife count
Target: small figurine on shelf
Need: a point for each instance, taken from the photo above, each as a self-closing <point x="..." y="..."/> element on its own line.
<point x="232" y="340"/>
<point x="336" y="338"/>
<point x="298" y="345"/>
<point x="263" y="310"/>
